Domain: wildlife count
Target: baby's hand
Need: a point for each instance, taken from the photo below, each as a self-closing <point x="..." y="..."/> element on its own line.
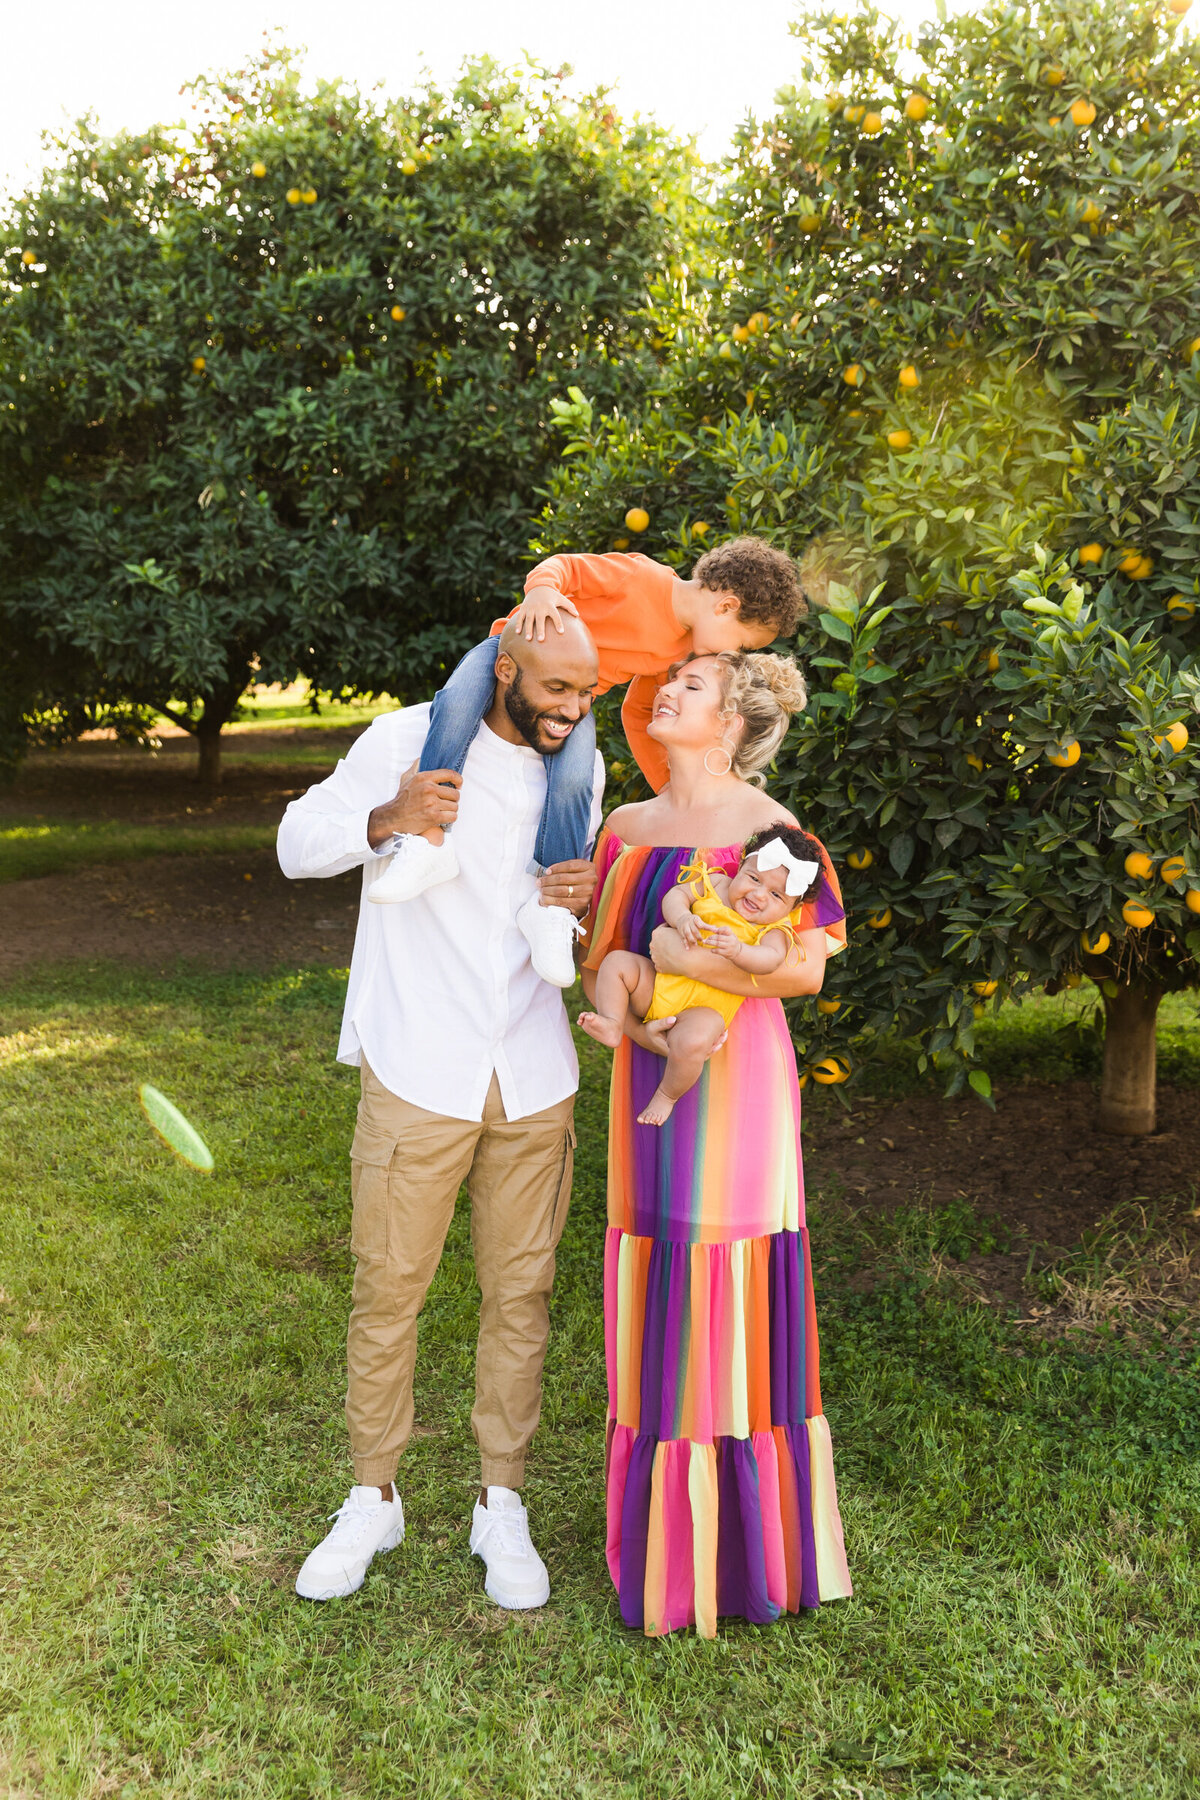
<point x="539" y="609"/>
<point x="692" y="930"/>
<point x="724" y="941"/>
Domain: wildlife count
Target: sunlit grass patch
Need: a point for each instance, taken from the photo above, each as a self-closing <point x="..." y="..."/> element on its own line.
<point x="44" y="847"/>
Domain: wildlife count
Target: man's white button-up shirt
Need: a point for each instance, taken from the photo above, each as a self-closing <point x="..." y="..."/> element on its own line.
<point x="442" y="991"/>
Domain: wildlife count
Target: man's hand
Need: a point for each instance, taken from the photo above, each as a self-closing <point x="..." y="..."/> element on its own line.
<point x="541" y="607"/>
<point x="422" y="802"/>
<point x="569" y="884"/>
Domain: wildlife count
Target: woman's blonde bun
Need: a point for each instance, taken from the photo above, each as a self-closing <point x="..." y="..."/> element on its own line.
<point x="783" y="676"/>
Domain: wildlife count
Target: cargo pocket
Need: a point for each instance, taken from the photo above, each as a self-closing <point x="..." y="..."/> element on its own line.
<point x="371" y="1155"/>
<point x="562" y="1199"/>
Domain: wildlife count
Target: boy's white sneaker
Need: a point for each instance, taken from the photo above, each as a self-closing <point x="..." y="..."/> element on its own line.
<point x="516" y="1574"/>
<point x="550" y="932"/>
<point x="365" y="1526"/>
<point x="416" y="865"/>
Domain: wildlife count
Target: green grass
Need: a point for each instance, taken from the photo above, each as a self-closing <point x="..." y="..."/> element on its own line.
<point x="42" y="847"/>
<point x="1022" y="1517"/>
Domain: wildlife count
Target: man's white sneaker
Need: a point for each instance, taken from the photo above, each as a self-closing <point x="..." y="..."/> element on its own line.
<point x="550" y="932"/>
<point x="365" y="1526"/>
<point x="516" y="1574"/>
<point x="416" y="865"/>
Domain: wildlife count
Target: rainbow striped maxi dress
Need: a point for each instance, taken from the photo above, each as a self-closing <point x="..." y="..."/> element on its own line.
<point x="721" y="1493"/>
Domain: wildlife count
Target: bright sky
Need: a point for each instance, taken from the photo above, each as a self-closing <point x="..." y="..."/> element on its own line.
<point x="697" y="65"/>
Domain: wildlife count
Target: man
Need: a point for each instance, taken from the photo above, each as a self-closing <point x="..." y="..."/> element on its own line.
<point x="468" y="1073"/>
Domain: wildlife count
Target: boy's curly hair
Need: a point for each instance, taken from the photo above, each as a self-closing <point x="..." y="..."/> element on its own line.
<point x="764" y="579"/>
<point x="803" y="847"/>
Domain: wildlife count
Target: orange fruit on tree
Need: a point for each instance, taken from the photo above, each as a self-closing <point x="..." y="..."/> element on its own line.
<point x="829" y="1006"/>
<point x="985" y="989"/>
<point x="309" y="196"/>
<point x="975" y="762"/>
<point x="900" y="439"/>
<point x="916" y="107"/>
<point x="1089" y="212"/>
<point x="1145" y="567"/>
<point x="757" y="321"/>
<point x="701" y="528"/>
<point x="1173" y="869"/>
<point x="993" y="661"/>
<point x="832" y="102"/>
<point x="1129" y="561"/>
<point x="408" y="166"/>
<point x="1137" y="914"/>
<point x="1056" y="118"/>
<point x="854" y="375"/>
<point x="1090" y="553"/>
<point x="199" y="363"/>
<point x="1138" y="864"/>
<point x="831" y="1071"/>
<point x="854" y="113"/>
<point x="1094" y="946"/>
<point x="293" y="196"/>
<point x="1175" y="737"/>
<point x="872" y="124"/>
<point x="620" y="543"/>
<point x="28" y="257"/>
<point x="1178" y="7"/>
<point x="861" y="859"/>
<point x="1065" y="754"/>
<point x="399" y="314"/>
<point x="1192" y="349"/>
<point x="258" y="168"/>
<point x="1083" y="113"/>
<point x="637" y="519"/>
<point x="1192" y="900"/>
<point x="740" y="334"/>
<point x="810" y="222"/>
<point x="1181" y="608"/>
<point x="1072" y="978"/>
<point x="879" y="921"/>
<point x="1053" y="75"/>
<point x="908" y="377"/>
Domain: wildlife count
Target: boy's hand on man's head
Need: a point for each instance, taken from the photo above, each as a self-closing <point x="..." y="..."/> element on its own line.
<point x="541" y="607"/>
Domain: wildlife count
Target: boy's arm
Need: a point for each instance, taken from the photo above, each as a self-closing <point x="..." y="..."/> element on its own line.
<point x="637" y="710"/>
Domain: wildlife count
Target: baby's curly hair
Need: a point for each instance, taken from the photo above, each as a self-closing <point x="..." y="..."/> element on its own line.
<point x="765" y="580"/>
<point x="803" y="847"/>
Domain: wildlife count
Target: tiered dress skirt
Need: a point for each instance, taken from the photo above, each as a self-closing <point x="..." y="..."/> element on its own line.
<point x="720" y="1487"/>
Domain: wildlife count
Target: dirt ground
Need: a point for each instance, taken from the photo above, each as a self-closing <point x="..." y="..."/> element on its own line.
<point x="1037" y="1163"/>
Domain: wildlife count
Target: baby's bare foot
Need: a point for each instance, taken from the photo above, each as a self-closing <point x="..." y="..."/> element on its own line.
<point x="602" y="1028"/>
<point x="659" y="1109"/>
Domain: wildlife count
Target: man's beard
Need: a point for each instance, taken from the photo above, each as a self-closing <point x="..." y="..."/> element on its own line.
<point x="526" y="717"/>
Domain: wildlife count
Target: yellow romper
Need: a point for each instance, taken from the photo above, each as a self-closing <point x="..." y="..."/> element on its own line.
<point x="680" y="993"/>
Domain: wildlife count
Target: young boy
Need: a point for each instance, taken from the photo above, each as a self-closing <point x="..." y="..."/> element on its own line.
<point x="742" y="595"/>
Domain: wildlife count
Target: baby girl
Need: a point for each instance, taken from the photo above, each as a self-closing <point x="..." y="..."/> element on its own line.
<point x="748" y="918"/>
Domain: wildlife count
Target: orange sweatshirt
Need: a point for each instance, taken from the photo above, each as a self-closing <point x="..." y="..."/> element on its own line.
<point x="625" y="602"/>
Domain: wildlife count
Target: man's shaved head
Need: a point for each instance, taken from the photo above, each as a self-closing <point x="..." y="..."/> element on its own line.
<point x="544" y="688"/>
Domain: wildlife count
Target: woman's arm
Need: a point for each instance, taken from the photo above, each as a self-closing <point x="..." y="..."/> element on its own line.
<point x="801" y="972"/>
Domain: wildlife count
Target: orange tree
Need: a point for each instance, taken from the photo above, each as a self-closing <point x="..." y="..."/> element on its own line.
<point x="273" y="386"/>
<point x="947" y="352"/>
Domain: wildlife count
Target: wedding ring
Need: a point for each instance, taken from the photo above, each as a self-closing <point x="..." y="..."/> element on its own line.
<point x="570" y="891"/>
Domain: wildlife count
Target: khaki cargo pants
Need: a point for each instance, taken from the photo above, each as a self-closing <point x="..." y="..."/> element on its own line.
<point x="407" y="1167"/>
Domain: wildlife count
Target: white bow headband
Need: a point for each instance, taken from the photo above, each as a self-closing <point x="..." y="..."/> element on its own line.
<point x="801" y="875"/>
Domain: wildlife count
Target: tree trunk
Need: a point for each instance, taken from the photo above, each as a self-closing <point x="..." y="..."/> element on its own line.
<point x="208" y="743"/>
<point x="1128" y="1086"/>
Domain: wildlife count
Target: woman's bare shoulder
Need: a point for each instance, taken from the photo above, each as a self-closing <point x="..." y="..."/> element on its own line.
<point x="629" y="822"/>
<point x="760" y="810"/>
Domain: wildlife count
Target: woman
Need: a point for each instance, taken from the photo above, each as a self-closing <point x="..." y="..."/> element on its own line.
<point x="721" y="1496"/>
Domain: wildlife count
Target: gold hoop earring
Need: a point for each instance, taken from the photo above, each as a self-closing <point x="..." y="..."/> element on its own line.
<point x="728" y="754"/>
